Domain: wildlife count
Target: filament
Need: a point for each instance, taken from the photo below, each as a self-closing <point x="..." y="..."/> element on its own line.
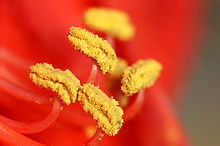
<point x="30" y="128"/>
<point x="93" y="74"/>
<point x="13" y="138"/>
<point x="111" y="40"/>
<point x="96" y="139"/>
<point x="136" y="106"/>
<point x="21" y="93"/>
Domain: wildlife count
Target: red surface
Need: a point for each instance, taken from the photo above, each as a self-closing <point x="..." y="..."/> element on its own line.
<point x="35" y="31"/>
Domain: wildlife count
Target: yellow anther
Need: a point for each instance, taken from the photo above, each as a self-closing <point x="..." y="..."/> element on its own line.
<point x="140" y="75"/>
<point x="113" y="22"/>
<point x="64" y="83"/>
<point x="94" y="47"/>
<point x="103" y="109"/>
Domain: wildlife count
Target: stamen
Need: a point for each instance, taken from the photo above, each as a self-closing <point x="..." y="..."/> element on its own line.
<point x="21" y="93"/>
<point x="114" y="82"/>
<point x="111" y="41"/>
<point x="136" y="106"/>
<point x="103" y="109"/>
<point x="140" y="75"/>
<point x="94" y="47"/>
<point x="113" y="22"/>
<point x="64" y="83"/>
<point x="12" y="137"/>
<point x="30" y="128"/>
<point x="93" y="74"/>
<point x="96" y="139"/>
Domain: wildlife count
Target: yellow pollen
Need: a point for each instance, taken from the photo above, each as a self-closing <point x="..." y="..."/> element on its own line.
<point x="94" y="47"/>
<point x="113" y="22"/>
<point x="64" y="83"/>
<point x="140" y="75"/>
<point x="105" y="110"/>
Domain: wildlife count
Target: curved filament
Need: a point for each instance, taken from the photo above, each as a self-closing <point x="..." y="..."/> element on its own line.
<point x="11" y="137"/>
<point x="93" y="74"/>
<point x="30" y="128"/>
<point x="136" y="106"/>
<point x="21" y="93"/>
<point x="14" y="59"/>
<point x="96" y="139"/>
<point x="111" y="40"/>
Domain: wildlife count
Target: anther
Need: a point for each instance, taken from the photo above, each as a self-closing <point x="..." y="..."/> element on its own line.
<point x="94" y="47"/>
<point x="105" y="110"/>
<point x="140" y="75"/>
<point x="110" y="21"/>
<point x="64" y="83"/>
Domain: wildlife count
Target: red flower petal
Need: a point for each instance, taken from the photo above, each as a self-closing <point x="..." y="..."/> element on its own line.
<point x="35" y="31"/>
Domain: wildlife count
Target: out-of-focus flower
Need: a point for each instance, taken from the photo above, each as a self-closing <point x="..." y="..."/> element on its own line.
<point x="36" y="31"/>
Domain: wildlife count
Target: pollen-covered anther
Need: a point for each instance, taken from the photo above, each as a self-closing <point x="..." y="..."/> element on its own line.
<point x="104" y="110"/>
<point x="94" y="47"/>
<point x="113" y="22"/>
<point x="140" y="75"/>
<point x="64" y="83"/>
<point x="110" y="21"/>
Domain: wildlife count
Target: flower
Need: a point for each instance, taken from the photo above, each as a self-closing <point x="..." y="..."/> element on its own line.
<point x="35" y="31"/>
